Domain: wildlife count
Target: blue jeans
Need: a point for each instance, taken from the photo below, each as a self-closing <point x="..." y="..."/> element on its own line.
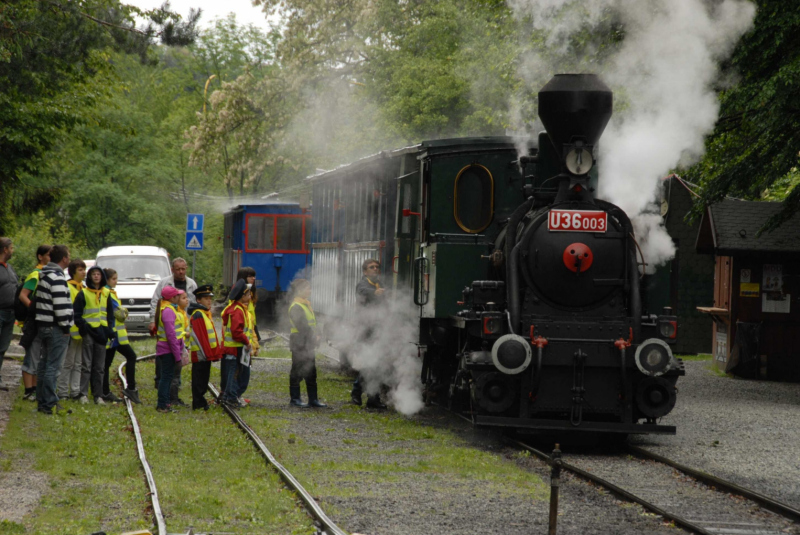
<point x="6" y="330"/>
<point x="238" y="378"/>
<point x="54" y="346"/>
<point x="165" y="381"/>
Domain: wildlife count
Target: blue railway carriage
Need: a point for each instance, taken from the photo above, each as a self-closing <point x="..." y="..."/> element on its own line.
<point x="272" y="239"/>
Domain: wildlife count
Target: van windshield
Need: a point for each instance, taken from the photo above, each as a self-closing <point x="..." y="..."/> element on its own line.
<point x="137" y="268"/>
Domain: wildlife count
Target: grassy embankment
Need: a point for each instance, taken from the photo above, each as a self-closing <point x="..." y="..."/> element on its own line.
<point x="208" y="475"/>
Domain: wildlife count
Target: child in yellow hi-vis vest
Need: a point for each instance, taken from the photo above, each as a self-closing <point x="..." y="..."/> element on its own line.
<point x="303" y="342"/>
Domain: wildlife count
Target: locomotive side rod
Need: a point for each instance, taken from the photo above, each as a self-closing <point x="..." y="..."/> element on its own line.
<point x="622" y="493"/>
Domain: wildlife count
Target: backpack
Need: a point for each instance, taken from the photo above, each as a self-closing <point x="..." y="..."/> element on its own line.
<point x="20" y="310"/>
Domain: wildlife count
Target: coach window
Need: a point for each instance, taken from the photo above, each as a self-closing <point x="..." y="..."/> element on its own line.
<point x="290" y="234"/>
<point x="473" y="198"/>
<point x="260" y="233"/>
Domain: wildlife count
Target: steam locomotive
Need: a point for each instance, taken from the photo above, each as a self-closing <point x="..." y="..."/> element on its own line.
<point x="527" y="286"/>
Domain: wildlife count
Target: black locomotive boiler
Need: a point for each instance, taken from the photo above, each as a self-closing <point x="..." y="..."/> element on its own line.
<point x="556" y="340"/>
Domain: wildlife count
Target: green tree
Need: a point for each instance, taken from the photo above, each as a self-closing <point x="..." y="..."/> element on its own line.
<point x="757" y="138"/>
<point x="53" y="69"/>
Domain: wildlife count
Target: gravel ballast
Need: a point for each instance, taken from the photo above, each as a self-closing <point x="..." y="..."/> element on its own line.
<point x="344" y="448"/>
<point x="744" y="431"/>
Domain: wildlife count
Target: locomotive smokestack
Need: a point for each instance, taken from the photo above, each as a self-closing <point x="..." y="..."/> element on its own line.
<point x="575" y="109"/>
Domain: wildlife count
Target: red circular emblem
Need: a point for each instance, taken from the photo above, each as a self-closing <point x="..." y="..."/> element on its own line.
<point x="578" y="257"/>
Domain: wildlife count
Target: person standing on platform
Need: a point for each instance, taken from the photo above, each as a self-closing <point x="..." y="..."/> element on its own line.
<point x="53" y="321"/>
<point x="171" y="327"/>
<point x="69" y="380"/>
<point x="119" y="343"/>
<point x="236" y="344"/>
<point x="180" y="281"/>
<point x="369" y="296"/>
<point x="94" y="316"/>
<point x="32" y="353"/>
<point x="206" y="347"/>
<point x="303" y="342"/>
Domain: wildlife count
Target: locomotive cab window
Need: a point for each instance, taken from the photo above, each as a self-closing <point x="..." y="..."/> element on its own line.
<point x="473" y="198"/>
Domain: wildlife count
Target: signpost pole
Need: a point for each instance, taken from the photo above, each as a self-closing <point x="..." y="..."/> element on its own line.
<point x="194" y="262"/>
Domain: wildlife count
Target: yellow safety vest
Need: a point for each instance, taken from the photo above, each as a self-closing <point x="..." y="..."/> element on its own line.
<point x="181" y="322"/>
<point x="119" y="326"/>
<point x="212" y="333"/>
<point x="96" y="306"/>
<point x="251" y="310"/>
<point x="312" y="320"/>
<point x="248" y="326"/>
<point x="75" y="287"/>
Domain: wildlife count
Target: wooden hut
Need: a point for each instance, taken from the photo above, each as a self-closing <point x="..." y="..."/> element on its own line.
<point x="756" y="312"/>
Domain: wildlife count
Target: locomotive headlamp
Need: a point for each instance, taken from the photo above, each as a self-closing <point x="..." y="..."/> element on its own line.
<point x="511" y="354"/>
<point x="653" y="357"/>
<point x="579" y="161"/>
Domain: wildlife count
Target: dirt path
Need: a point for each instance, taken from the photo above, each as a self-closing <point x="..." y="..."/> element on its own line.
<point x="21" y="488"/>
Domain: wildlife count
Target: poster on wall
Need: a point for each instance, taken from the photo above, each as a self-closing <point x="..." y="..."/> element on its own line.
<point x="773" y="278"/>
<point x="778" y="305"/>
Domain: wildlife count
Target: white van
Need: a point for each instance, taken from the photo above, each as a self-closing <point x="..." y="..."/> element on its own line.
<point x="139" y="269"/>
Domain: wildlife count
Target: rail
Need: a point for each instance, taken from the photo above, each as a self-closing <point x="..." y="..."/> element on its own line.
<point x="715" y="484"/>
<point x="311" y="504"/>
<point x="151" y="482"/>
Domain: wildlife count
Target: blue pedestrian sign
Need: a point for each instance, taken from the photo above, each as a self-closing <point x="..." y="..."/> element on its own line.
<point x="194" y="241"/>
<point x="194" y="223"/>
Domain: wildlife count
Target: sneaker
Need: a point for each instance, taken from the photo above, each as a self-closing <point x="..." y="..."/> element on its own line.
<point x="132" y="395"/>
<point x="60" y="409"/>
<point x="112" y="398"/>
<point x="30" y="396"/>
<point x="48" y="412"/>
<point x="243" y="402"/>
<point x="99" y="401"/>
<point x="167" y="410"/>
<point x="179" y="402"/>
<point x="83" y="399"/>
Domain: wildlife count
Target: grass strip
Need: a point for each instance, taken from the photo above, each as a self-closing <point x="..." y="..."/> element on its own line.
<point x="360" y="446"/>
<point x="209" y="476"/>
<point x="94" y="480"/>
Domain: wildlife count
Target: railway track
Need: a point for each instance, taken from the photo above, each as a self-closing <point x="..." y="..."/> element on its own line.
<point x="325" y="526"/>
<point x="695" y="501"/>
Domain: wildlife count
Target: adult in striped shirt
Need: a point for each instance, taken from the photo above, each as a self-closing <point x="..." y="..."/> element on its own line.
<point x="53" y="321"/>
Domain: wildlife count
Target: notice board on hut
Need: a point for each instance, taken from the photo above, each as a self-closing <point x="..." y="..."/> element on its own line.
<point x="756" y="313"/>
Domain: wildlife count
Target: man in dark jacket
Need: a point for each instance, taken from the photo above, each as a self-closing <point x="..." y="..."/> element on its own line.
<point x="369" y="295"/>
<point x="53" y="321"/>
<point x="8" y="289"/>
<point x="94" y="317"/>
<point x="303" y="342"/>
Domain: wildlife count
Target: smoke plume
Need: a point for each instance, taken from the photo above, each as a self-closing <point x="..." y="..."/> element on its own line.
<point x="663" y="75"/>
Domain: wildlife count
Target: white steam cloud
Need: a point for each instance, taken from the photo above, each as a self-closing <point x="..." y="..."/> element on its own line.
<point x="663" y="74"/>
<point x="380" y="344"/>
